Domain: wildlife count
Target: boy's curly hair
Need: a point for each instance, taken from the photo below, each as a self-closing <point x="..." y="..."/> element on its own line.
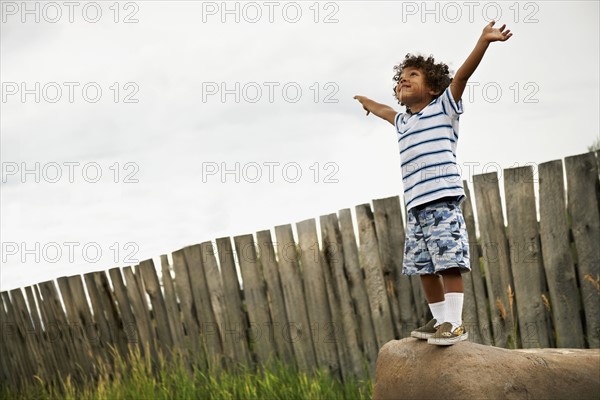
<point x="437" y="76"/>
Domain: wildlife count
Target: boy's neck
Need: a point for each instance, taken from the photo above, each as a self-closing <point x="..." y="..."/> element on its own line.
<point x="418" y="107"/>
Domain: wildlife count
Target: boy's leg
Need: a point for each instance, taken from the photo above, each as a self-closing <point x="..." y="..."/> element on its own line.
<point x="453" y="281"/>
<point x="434" y="293"/>
<point x="417" y="260"/>
<point x="448" y="245"/>
<point x="454" y="295"/>
<point x="433" y="288"/>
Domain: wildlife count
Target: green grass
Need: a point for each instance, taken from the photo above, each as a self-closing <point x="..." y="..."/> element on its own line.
<point x="174" y="380"/>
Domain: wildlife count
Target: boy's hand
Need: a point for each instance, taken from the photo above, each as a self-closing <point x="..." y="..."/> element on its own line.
<point x="363" y="100"/>
<point x="490" y="34"/>
<point x="381" y="110"/>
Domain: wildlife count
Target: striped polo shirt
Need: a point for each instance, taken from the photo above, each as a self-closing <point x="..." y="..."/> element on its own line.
<point x="427" y="144"/>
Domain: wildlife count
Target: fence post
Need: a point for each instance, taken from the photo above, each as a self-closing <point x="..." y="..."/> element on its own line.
<point x="142" y="316"/>
<point x="474" y="280"/>
<point x="159" y="309"/>
<point x="209" y="330"/>
<point x="358" y="291"/>
<point x="558" y="263"/>
<point x="214" y="286"/>
<point x="66" y="353"/>
<point x="525" y="256"/>
<point x="75" y="331"/>
<point x="128" y="320"/>
<point x="89" y="330"/>
<point x="319" y="312"/>
<point x="173" y="316"/>
<point x="236" y="320"/>
<point x="46" y="358"/>
<point x="298" y="327"/>
<point x="371" y="262"/>
<point x="30" y="356"/>
<point x="186" y="303"/>
<point x="339" y="294"/>
<point x="390" y="237"/>
<point x="255" y="296"/>
<point x="109" y="304"/>
<point x="496" y="256"/>
<point x="276" y="298"/>
<point x="104" y="336"/>
<point x="583" y="192"/>
<point x="7" y="332"/>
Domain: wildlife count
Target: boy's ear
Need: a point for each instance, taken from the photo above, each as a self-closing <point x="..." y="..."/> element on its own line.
<point x="435" y="93"/>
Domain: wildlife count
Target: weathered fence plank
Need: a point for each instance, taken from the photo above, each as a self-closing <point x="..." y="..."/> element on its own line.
<point x="50" y="340"/>
<point x="483" y="329"/>
<point x="18" y="360"/>
<point x="142" y="316"/>
<point x="369" y="252"/>
<point x="583" y="191"/>
<point x="298" y="327"/>
<point x="275" y="297"/>
<point x="117" y="327"/>
<point x="139" y="285"/>
<point x="525" y="256"/>
<point x="214" y="286"/>
<point x="35" y="318"/>
<point x="102" y="325"/>
<point x="236" y="321"/>
<point x="334" y="334"/>
<point x="358" y="290"/>
<point x="207" y="323"/>
<point x="172" y="308"/>
<point x="77" y="335"/>
<point x="82" y="310"/>
<point x="496" y="257"/>
<point x="339" y="294"/>
<point x="46" y="363"/>
<point x="25" y="332"/>
<point x="7" y="367"/>
<point x="558" y="263"/>
<point x="66" y="353"/>
<point x="319" y="312"/>
<point x="159" y="309"/>
<point x="423" y="313"/>
<point x="128" y="320"/>
<point x="255" y="296"/>
<point x="186" y="303"/>
<point x="389" y="260"/>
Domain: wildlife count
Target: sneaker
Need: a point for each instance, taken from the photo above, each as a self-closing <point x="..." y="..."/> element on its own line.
<point x="445" y="336"/>
<point x="426" y="331"/>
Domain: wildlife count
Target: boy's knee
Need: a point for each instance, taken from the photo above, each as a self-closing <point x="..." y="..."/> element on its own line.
<point x="453" y="271"/>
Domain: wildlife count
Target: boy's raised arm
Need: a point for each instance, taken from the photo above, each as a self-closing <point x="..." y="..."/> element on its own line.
<point x="489" y="35"/>
<point x="381" y="110"/>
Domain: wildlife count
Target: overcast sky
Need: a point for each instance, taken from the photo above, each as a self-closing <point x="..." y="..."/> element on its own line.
<point x="164" y="105"/>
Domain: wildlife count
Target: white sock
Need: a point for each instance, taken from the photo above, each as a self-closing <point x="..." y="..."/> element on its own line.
<point x="438" y="310"/>
<point x="454" y="305"/>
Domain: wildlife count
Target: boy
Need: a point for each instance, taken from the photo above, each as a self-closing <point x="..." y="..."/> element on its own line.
<point x="436" y="246"/>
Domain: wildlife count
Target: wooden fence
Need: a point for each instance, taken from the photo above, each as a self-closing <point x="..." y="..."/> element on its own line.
<point x="329" y="303"/>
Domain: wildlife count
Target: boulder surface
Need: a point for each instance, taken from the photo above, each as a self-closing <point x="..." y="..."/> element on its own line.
<point x="413" y="369"/>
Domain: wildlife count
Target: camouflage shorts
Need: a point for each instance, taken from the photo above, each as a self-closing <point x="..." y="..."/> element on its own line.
<point x="436" y="239"/>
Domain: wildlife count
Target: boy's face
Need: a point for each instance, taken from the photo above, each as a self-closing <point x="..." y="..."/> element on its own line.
<point x="412" y="89"/>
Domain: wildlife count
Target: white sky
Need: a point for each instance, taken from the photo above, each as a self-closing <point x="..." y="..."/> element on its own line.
<point x="547" y="108"/>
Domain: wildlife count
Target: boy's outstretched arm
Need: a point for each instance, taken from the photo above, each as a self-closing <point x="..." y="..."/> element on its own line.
<point x="381" y="110"/>
<point x="489" y="35"/>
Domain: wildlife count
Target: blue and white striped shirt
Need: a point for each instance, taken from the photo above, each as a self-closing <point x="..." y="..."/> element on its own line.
<point x="427" y="143"/>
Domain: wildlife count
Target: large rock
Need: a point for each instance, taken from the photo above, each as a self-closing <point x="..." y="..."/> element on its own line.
<point x="412" y="369"/>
